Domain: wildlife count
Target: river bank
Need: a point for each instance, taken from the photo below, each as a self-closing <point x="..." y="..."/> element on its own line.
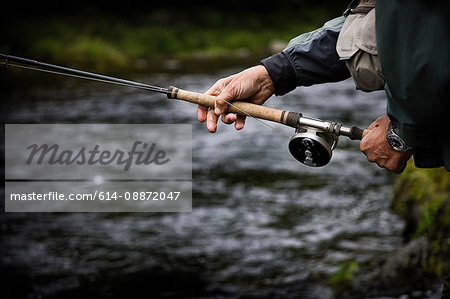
<point x="421" y="197"/>
<point x="157" y="38"/>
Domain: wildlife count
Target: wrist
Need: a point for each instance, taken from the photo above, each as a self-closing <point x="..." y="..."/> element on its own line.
<point x="281" y="72"/>
<point x="395" y="141"/>
<point x="264" y="79"/>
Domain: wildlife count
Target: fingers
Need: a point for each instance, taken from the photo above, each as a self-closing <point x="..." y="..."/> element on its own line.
<point x="219" y="89"/>
<point x="382" y="120"/>
<point x="391" y="163"/>
<point x="211" y="118"/>
<point x="201" y="113"/>
<point x="377" y="150"/>
<point x="253" y="85"/>
<point x="211" y="121"/>
<point x="227" y="95"/>
<point x="206" y="113"/>
<point x="240" y="122"/>
<point x="229" y="118"/>
<point x="395" y="168"/>
<point x="212" y="115"/>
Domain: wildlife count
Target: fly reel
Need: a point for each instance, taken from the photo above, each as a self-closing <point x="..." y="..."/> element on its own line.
<point x="312" y="147"/>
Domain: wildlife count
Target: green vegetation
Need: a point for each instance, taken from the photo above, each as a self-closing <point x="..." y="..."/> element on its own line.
<point x="341" y="279"/>
<point x="422" y="198"/>
<point x="133" y="39"/>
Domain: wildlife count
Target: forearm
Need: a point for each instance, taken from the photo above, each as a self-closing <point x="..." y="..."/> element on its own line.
<point x="310" y="58"/>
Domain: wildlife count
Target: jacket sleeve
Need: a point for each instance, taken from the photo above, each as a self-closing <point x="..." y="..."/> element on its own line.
<point x="413" y="43"/>
<point x="308" y="59"/>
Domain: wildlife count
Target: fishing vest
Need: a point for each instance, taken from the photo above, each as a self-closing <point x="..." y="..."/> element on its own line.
<point x="357" y="46"/>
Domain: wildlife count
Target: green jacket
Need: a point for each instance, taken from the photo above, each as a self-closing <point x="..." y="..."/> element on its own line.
<point x="413" y="40"/>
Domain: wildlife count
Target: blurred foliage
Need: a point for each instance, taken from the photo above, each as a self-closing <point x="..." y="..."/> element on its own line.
<point x="115" y="35"/>
<point x="422" y="198"/>
<point x="47" y="7"/>
<point x="341" y="279"/>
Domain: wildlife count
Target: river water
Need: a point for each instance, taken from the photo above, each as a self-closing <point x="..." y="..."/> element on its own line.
<point x="262" y="225"/>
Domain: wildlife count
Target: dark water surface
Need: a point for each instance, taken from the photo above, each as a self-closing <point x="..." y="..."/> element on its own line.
<point x="262" y="225"/>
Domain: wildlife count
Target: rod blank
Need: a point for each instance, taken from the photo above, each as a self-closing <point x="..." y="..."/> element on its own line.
<point x="61" y="70"/>
<point x="289" y="118"/>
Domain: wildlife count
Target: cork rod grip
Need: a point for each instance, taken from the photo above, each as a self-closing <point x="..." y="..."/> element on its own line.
<point x="238" y="107"/>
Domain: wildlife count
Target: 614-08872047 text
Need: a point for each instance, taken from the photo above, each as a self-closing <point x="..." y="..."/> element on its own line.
<point x="99" y="195"/>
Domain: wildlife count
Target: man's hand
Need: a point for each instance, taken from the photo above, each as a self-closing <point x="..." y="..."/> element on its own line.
<point x="375" y="146"/>
<point x="253" y="85"/>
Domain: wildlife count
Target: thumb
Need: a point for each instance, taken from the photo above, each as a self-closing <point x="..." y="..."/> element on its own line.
<point x="221" y="104"/>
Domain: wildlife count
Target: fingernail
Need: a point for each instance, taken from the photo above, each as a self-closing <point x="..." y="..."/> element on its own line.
<point x="217" y="111"/>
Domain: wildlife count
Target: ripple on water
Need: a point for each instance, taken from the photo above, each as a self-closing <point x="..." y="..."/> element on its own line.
<point x="261" y="224"/>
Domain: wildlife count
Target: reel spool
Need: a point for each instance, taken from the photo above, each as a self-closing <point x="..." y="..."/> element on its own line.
<point x="312" y="147"/>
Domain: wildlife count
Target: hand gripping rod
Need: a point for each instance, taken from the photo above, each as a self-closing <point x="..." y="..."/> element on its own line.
<point x="292" y="119"/>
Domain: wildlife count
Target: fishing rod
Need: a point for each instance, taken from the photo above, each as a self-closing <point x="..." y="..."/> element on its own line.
<point x="313" y="141"/>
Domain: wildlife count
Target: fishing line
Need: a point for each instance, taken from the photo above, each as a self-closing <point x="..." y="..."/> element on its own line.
<point x="258" y="120"/>
<point x="312" y="144"/>
<point x="135" y="85"/>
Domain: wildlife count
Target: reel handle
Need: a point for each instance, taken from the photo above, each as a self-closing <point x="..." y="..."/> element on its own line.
<point x="357" y="133"/>
<point x="239" y="107"/>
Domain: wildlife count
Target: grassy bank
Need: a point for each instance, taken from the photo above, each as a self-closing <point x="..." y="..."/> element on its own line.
<point x="421" y="197"/>
<point x="100" y="40"/>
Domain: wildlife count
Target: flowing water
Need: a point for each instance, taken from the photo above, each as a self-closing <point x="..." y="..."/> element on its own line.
<point x="262" y="224"/>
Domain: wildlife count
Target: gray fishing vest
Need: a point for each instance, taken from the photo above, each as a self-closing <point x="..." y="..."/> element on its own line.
<point x="356" y="45"/>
